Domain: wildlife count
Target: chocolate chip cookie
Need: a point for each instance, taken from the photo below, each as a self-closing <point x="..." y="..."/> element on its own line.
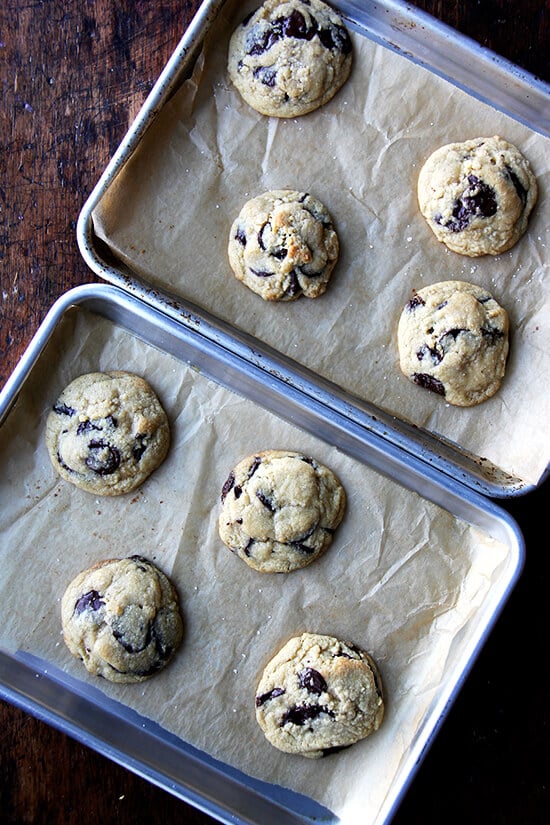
<point x="453" y="340"/>
<point x="122" y="618"/>
<point x="477" y="196"/>
<point x="289" y="58"/>
<point x="283" y="244"/>
<point x="318" y="695"/>
<point x="107" y="432"/>
<point x="280" y="510"/>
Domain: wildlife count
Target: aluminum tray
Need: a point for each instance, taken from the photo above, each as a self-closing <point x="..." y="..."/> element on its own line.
<point x="75" y="706"/>
<point x="428" y="43"/>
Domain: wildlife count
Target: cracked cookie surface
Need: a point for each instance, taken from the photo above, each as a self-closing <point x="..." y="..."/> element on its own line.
<point x="289" y="58"/>
<point x="477" y="196"/>
<point x="319" y="694"/>
<point x="279" y="510"/>
<point x="453" y="340"/>
<point x="107" y="432"/>
<point x="283" y="244"/>
<point x="122" y="619"/>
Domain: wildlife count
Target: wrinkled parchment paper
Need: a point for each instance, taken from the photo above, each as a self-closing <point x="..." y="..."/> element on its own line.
<point x="403" y="578"/>
<point x="169" y="213"/>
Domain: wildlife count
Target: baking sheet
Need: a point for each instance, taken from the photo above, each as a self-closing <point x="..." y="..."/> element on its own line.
<point x="168" y="214"/>
<point x="406" y="579"/>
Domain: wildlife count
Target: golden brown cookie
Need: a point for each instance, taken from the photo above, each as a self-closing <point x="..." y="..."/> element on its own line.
<point x="280" y="510"/>
<point x="107" y="432"/>
<point x="477" y="195"/>
<point x="319" y="694"/>
<point x="283" y="244"/>
<point x="122" y="618"/>
<point x="289" y="58"/>
<point x="453" y="340"/>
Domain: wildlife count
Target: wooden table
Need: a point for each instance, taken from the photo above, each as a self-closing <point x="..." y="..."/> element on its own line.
<point x="74" y="74"/>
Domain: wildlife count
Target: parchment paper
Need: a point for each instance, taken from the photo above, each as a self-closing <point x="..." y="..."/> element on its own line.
<point x="169" y="213"/>
<point x="403" y="578"/>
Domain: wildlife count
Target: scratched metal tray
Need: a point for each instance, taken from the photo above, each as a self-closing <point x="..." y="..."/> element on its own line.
<point x="71" y="702"/>
<point x="428" y="43"/>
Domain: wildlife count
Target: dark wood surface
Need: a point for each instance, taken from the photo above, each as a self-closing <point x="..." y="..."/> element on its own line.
<point x="74" y="74"/>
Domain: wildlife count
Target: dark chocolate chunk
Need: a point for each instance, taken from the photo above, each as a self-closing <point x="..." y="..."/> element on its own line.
<point x="89" y="601"/>
<point x="298" y="544"/>
<point x="271" y="694"/>
<point x="478" y="199"/>
<point x="354" y="649"/>
<point x="86" y="426"/>
<point x="307" y="272"/>
<point x="307" y="534"/>
<point x="312" y="681"/>
<point x="336" y="37"/>
<point x="443" y="341"/>
<point x="452" y="333"/>
<point x="428" y="382"/>
<point x="261" y="231"/>
<point x="260" y="273"/>
<point x="240" y="236"/>
<point x="416" y="301"/>
<point x="261" y="38"/>
<point x="229" y="482"/>
<point x="140" y="445"/>
<point x="300" y="714"/>
<point x="303" y="548"/>
<point x="63" y="463"/>
<point x="295" y="26"/>
<point x="294" y="287"/>
<point x="62" y="409"/>
<point x="254" y="466"/>
<point x="518" y="186"/>
<point x="266" y="75"/>
<point x="266" y="501"/>
<point x="102" y="458"/>
<point x="433" y="353"/>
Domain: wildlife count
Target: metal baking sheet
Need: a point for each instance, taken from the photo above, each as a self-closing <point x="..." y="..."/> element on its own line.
<point x="428" y="43"/>
<point x="58" y="692"/>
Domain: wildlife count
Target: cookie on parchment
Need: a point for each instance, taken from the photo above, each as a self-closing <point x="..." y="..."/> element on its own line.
<point x="107" y="432"/>
<point x="283" y="244"/>
<point x="280" y="510"/>
<point x="477" y="196"/>
<point x="122" y="618"/>
<point x="319" y="694"/>
<point x="453" y="340"/>
<point x="289" y="58"/>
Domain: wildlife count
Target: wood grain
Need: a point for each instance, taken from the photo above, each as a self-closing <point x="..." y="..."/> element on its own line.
<point x="74" y="74"/>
